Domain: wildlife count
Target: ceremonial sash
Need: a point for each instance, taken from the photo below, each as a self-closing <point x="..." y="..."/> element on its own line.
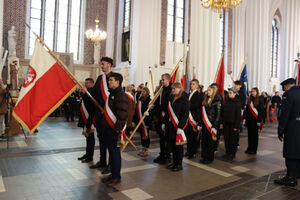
<point x="104" y="88"/>
<point x="140" y="115"/>
<point x="129" y="95"/>
<point x="111" y="120"/>
<point x="85" y="116"/>
<point x="208" y="124"/>
<point x="191" y="119"/>
<point x="135" y="98"/>
<point x="173" y="117"/>
<point x="253" y="110"/>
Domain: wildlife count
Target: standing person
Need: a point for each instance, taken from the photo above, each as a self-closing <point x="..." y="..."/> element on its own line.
<point x="160" y="109"/>
<point x="100" y="93"/>
<point x="230" y="122"/>
<point x="114" y="125"/>
<point x="288" y="131"/>
<point x="131" y="110"/>
<point x="211" y="111"/>
<point x="3" y="107"/>
<point x="240" y="88"/>
<point x="141" y="108"/>
<point x="276" y="102"/>
<point x="86" y="120"/>
<point x="253" y="116"/>
<point x="194" y="120"/>
<point x="176" y="121"/>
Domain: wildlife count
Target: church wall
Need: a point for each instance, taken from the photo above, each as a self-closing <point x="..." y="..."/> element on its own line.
<point x="1" y="22"/>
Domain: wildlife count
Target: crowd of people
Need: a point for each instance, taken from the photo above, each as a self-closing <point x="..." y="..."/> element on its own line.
<point x="197" y="118"/>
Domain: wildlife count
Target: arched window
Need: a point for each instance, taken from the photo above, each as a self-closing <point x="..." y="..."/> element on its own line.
<point x="222" y="34"/>
<point x="58" y="23"/>
<point x="127" y="13"/>
<point x="274" y="49"/>
<point x="175" y="31"/>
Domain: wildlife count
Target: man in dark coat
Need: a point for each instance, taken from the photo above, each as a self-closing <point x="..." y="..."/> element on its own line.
<point x="116" y="108"/>
<point x="289" y="131"/>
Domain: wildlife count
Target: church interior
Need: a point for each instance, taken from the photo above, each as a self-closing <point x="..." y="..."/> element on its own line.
<point x="255" y="41"/>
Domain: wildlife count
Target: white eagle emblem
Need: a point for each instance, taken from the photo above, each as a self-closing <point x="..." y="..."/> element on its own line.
<point x="30" y="76"/>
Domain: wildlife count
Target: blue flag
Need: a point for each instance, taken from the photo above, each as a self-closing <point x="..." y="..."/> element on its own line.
<point x="244" y="79"/>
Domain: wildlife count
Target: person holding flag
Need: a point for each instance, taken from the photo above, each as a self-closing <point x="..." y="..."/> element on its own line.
<point x="160" y="109"/>
<point x="176" y="121"/>
<point x="114" y="125"/>
<point x="194" y="119"/>
<point x="86" y="120"/>
<point x="253" y="115"/>
<point x="211" y="113"/>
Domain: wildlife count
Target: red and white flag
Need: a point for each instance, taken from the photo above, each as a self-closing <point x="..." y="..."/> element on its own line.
<point x="45" y="87"/>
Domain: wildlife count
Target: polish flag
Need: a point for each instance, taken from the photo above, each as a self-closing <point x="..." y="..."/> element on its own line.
<point x="45" y="87"/>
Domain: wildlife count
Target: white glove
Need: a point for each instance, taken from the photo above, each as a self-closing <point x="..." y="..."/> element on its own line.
<point x="163" y="127"/>
<point x="180" y="131"/>
<point x="151" y="106"/>
<point x="199" y="128"/>
<point x="214" y="130"/>
<point x="258" y="124"/>
<point x="146" y="113"/>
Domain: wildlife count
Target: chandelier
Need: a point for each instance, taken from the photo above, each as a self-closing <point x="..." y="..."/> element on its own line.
<point x="97" y="35"/>
<point x="220" y="6"/>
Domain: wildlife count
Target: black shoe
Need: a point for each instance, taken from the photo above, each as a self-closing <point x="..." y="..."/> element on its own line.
<point x="106" y="179"/>
<point x="177" y="168"/>
<point x="158" y="159"/>
<point x="82" y="157"/>
<point x="203" y="161"/>
<point x="106" y="170"/>
<point x="250" y="152"/>
<point x="287" y="180"/>
<point x="171" y="166"/>
<point x="97" y="165"/>
<point x="87" y="160"/>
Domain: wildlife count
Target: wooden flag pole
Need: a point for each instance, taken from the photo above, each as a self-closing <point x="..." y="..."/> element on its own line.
<point x="73" y="77"/>
<point x="150" y="104"/>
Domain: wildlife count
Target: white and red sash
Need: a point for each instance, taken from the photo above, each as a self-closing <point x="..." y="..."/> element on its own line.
<point x="140" y="115"/>
<point x="253" y="110"/>
<point x="85" y="116"/>
<point x="111" y="120"/>
<point x="208" y="124"/>
<point x="104" y="87"/>
<point x="129" y="95"/>
<point x="173" y="116"/>
<point x="191" y="119"/>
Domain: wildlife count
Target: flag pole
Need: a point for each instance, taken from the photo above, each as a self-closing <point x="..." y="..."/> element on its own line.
<point x="73" y="77"/>
<point x="150" y="104"/>
<point x="217" y="72"/>
<point x="239" y="76"/>
<point x="151" y="78"/>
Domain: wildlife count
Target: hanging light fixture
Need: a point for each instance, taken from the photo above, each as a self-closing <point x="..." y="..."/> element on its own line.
<point x="97" y="35"/>
<point x="220" y="6"/>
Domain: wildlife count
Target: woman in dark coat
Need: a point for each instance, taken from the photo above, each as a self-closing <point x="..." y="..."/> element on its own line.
<point x="230" y="122"/>
<point x="141" y="108"/>
<point x="253" y="116"/>
<point x="193" y="127"/>
<point x="176" y="121"/>
<point x="211" y="112"/>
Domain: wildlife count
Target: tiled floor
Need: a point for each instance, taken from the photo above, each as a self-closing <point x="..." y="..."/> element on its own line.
<point x="45" y="166"/>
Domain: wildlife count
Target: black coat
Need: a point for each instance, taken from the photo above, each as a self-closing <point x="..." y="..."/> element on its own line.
<point x="196" y="105"/>
<point x="90" y="107"/>
<point x="145" y="104"/>
<point x="181" y="109"/>
<point x="249" y="116"/>
<point x="214" y="112"/>
<point x="118" y="103"/>
<point x="161" y="104"/>
<point x="289" y="123"/>
<point x="231" y="112"/>
<point x="242" y="97"/>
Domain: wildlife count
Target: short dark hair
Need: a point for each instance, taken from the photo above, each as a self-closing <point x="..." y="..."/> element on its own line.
<point x="117" y="77"/>
<point x="238" y="82"/>
<point x="89" y="79"/>
<point x="107" y="59"/>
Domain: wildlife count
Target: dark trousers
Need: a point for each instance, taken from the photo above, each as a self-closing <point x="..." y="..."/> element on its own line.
<point x="102" y="144"/>
<point x="191" y="137"/>
<point x="145" y="142"/>
<point x="90" y="145"/>
<point x="114" y="152"/>
<point x="252" y="135"/>
<point x="230" y="138"/>
<point x="207" y="145"/>
<point x="164" y="148"/>
<point x="177" y="150"/>
<point x="293" y="167"/>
